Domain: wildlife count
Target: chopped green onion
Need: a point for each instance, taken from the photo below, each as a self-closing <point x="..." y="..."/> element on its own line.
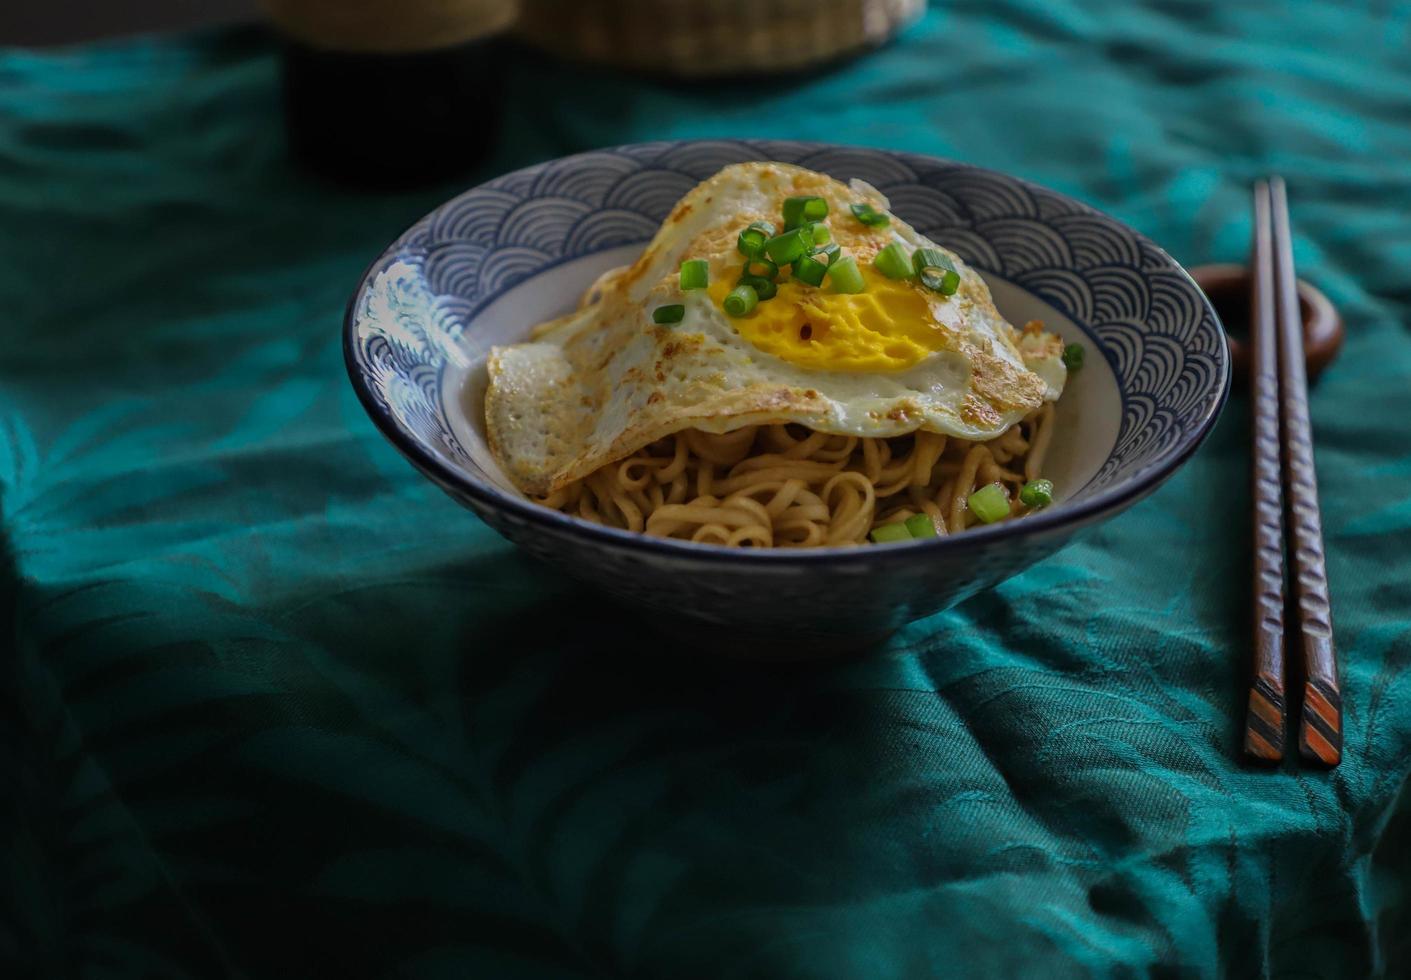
<point x="888" y="533"/>
<point x="761" y="268"/>
<point x="797" y="210"/>
<point x="742" y="300"/>
<point x="764" y="288"/>
<point x="793" y="212"/>
<point x="937" y="272"/>
<point x="1073" y="356"/>
<point x="989" y="503"/>
<point x="752" y="239"/>
<point x="845" y="276"/>
<point x="870" y="216"/>
<point x="819" y="232"/>
<point x="789" y="246"/>
<point x="930" y="258"/>
<point x="921" y="526"/>
<point x="809" y="270"/>
<point x="943" y="281"/>
<point x="751" y="242"/>
<point x="829" y="253"/>
<point x="892" y="262"/>
<point x="674" y="313"/>
<point x="1037" y="493"/>
<point x="695" y="274"/>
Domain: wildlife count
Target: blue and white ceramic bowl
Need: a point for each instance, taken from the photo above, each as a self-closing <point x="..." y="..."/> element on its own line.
<point x="482" y="269"/>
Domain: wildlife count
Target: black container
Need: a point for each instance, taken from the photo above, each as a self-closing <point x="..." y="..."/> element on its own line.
<point x="391" y="120"/>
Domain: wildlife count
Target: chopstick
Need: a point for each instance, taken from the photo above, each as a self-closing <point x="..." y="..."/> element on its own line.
<point x="1282" y="471"/>
<point x="1320" y="725"/>
<point x="1264" y="719"/>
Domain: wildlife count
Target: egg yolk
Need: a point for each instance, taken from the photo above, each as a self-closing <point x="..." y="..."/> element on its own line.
<point x="887" y="327"/>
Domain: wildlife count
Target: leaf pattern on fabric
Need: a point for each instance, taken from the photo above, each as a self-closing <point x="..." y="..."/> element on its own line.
<point x="274" y="706"/>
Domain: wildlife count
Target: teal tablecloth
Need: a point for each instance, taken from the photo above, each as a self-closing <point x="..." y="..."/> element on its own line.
<point x="272" y="706"/>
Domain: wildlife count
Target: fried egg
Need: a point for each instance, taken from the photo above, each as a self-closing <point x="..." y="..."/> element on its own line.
<point x="605" y="380"/>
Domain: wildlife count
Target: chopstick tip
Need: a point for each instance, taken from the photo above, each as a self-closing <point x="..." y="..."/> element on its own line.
<point x="1264" y="722"/>
<point x="1320" y="728"/>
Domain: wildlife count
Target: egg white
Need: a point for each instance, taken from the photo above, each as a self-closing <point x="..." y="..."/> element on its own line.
<point x="602" y="382"/>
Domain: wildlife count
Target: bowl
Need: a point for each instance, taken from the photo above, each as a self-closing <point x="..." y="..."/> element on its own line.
<point x="484" y="268"/>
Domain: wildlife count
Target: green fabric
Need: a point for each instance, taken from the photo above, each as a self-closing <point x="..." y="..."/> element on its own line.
<point x="276" y="707"/>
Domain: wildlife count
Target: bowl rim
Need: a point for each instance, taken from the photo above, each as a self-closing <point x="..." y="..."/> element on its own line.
<point x="1075" y="514"/>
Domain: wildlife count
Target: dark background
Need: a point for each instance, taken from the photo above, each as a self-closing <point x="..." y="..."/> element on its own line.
<point x="49" y="22"/>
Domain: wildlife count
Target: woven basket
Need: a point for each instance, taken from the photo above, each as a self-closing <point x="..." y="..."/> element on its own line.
<point x="700" y="38"/>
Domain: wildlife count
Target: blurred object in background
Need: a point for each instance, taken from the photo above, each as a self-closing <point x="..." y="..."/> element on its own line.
<point x="62" y="22"/>
<point x="704" y="38"/>
<point x="351" y="66"/>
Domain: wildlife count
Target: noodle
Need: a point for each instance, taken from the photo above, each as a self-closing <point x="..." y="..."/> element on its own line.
<point x="787" y="486"/>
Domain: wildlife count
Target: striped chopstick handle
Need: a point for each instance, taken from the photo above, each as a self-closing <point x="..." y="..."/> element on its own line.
<point x="1264" y="725"/>
<point x="1320" y="732"/>
<point x="1264" y="720"/>
<point x="1320" y="728"/>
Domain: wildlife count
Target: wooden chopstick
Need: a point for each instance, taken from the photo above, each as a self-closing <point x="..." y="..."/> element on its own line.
<point x="1264" y="719"/>
<point x="1320" y="725"/>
